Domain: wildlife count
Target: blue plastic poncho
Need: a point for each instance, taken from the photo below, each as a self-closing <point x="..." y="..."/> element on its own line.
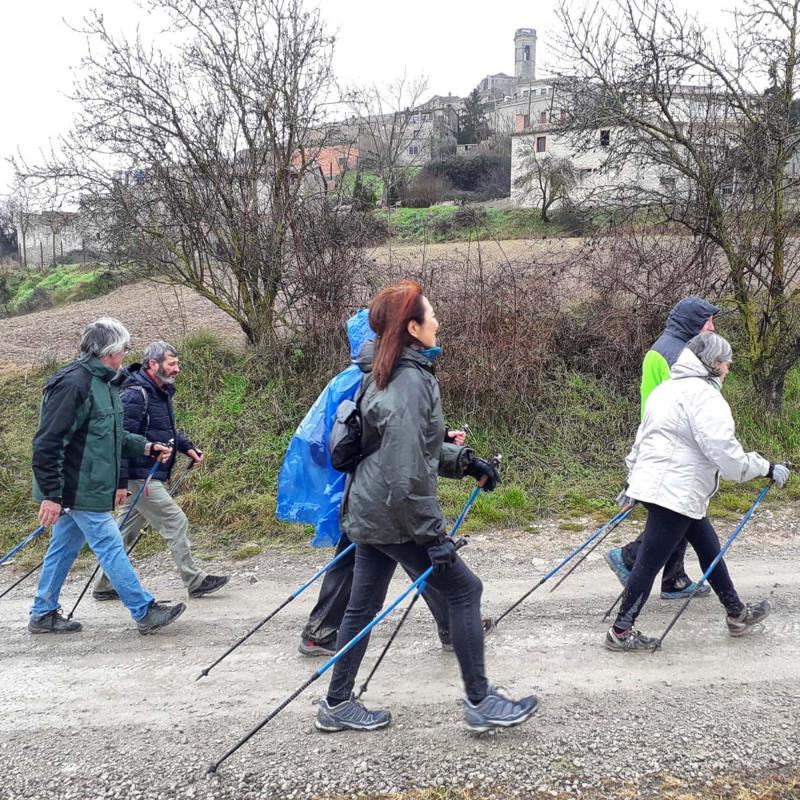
<point x="309" y="489"/>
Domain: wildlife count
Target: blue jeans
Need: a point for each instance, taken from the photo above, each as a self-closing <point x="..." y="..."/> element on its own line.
<point x="101" y="533"/>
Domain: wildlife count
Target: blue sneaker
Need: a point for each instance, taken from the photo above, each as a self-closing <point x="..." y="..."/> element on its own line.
<point x="615" y="560"/>
<point x="682" y="594"/>
<point x="350" y="715"/>
<point x="498" y="711"/>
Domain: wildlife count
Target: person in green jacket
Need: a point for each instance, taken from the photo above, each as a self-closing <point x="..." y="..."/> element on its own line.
<point x="76" y="463"/>
<point x="687" y="319"/>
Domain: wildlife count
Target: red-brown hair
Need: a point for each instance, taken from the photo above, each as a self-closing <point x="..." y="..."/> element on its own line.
<point x="389" y="314"/>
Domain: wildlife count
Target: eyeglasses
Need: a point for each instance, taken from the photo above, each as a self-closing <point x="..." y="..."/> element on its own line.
<point x="127" y="349"/>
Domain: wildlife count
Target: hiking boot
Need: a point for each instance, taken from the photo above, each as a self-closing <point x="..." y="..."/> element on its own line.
<point x="497" y="710"/>
<point x="350" y="715"/>
<point x="632" y="641"/>
<point x="309" y="647"/>
<point x="108" y="594"/>
<point x="751" y="615"/>
<point x="616" y="562"/>
<point x="53" y="622"/>
<point x="684" y="589"/>
<point x="209" y="585"/>
<point x="159" y="616"/>
<point x="444" y="638"/>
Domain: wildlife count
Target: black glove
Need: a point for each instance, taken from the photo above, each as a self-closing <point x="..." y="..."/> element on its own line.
<point x="442" y="554"/>
<point x="478" y="468"/>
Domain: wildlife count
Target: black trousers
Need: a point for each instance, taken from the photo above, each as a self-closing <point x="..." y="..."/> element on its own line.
<point x="663" y="531"/>
<point x="674" y="576"/>
<point x="334" y="594"/>
<point x="461" y="588"/>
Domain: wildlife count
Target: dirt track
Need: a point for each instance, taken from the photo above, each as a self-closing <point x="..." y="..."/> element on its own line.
<point x="108" y="713"/>
<point x="151" y="310"/>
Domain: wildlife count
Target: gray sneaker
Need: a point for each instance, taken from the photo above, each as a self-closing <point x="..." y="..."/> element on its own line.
<point x="751" y="615"/>
<point x="53" y="623"/>
<point x="350" y="715"/>
<point x="632" y="641"/>
<point x="159" y="616"/>
<point x="497" y="710"/>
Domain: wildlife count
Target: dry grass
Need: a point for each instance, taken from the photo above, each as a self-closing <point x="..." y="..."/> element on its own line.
<point x="784" y="785"/>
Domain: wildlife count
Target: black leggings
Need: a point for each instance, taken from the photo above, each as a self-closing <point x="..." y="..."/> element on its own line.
<point x="375" y="565"/>
<point x="663" y="532"/>
<point x="334" y="594"/>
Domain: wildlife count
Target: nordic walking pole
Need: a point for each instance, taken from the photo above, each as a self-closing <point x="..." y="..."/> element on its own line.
<point x="417" y="585"/>
<point x="27" y="540"/>
<point x="493" y="623"/>
<point x="613" y="605"/>
<point x="296" y="593"/>
<point x="120" y="526"/>
<point x="20" y="580"/>
<point x="627" y="509"/>
<point x="473" y="496"/>
<point x="704" y="577"/>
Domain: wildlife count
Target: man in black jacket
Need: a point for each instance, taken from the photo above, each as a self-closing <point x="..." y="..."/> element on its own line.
<point x="147" y="399"/>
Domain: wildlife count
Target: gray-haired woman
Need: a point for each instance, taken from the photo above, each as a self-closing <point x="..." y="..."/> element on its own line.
<point x="685" y="443"/>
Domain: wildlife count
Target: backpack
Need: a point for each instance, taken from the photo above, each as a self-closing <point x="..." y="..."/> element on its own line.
<point x="345" y="440"/>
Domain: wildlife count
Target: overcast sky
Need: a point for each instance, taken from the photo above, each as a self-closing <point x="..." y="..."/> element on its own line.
<point x="454" y="43"/>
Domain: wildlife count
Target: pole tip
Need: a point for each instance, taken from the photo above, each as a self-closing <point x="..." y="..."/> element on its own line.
<point x="488" y="625"/>
<point x="212" y="770"/>
<point x="201" y="675"/>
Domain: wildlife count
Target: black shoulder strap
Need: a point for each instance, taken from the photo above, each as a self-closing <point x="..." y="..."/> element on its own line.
<point x="145" y="424"/>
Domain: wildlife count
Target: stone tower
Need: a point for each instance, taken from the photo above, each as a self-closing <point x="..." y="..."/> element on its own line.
<point x="525" y="54"/>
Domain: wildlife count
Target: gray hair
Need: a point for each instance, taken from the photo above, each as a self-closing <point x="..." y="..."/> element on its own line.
<point x="158" y="351"/>
<point x="103" y="337"/>
<point x="711" y="349"/>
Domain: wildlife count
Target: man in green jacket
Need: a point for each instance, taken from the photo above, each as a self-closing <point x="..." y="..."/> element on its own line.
<point x="690" y="316"/>
<point x="76" y="462"/>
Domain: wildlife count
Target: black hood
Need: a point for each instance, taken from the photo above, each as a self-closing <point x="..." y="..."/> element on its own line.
<point x="688" y="317"/>
<point x="409" y="356"/>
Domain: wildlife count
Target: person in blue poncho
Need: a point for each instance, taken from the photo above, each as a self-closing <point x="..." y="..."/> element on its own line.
<point x="310" y="491"/>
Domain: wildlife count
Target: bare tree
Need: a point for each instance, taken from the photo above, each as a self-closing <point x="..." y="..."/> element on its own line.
<point x="389" y="128"/>
<point x="8" y="228"/>
<point x="701" y="124"/>
<point x="545" y="179"/>
<point x="194" y="155"/>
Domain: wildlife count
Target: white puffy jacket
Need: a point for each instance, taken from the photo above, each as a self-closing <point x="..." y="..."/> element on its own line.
<point x="686" y="441"/>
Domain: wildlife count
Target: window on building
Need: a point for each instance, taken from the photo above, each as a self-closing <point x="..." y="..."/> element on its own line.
<point x="526" y="52"/>
<point x="426" y="117"/>
<point x="341" y="161"/>
<point x="542" y="117"/>
<point x="667" y="183"/>
<point x="563" y="114"/>
<point x="413" y="150"/>
<point x="417" y="133"/>
<point x="541" y="144"/>
<point x="542" y="91"/>
<point x="605" y="138"/>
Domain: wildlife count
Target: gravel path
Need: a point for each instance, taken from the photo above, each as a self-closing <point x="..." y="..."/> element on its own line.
<point x="107" y="713"/>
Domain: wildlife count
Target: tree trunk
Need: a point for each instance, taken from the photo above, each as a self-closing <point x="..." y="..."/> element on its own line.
<point x="769" y="385"/>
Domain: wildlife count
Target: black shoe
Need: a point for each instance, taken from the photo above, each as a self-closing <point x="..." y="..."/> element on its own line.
<point x="309" y="647"/>
<point x="110" y="594"/>
<point x="751" y="615"/>
<point x="632" y="641"/>
<point x="210" y="584"/>
<point x="159" y="616"/>
<point x="53" y="623"/>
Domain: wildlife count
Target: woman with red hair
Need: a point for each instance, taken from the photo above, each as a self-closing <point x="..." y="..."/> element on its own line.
<point x="391" y="511"/>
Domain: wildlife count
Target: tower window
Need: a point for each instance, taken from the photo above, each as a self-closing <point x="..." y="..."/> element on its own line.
<point x="526" y="52"/>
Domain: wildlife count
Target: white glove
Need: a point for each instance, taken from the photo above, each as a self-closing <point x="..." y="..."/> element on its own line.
<point x="779" y="473"/>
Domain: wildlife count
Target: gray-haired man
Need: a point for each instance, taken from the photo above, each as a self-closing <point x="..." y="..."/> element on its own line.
<point x="147" y="398"/>
<point x="77" y="451"/>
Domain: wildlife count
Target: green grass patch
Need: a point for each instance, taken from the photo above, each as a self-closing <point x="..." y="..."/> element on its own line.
<point x="451" y="224"/>
<point x="23" y="290"/>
